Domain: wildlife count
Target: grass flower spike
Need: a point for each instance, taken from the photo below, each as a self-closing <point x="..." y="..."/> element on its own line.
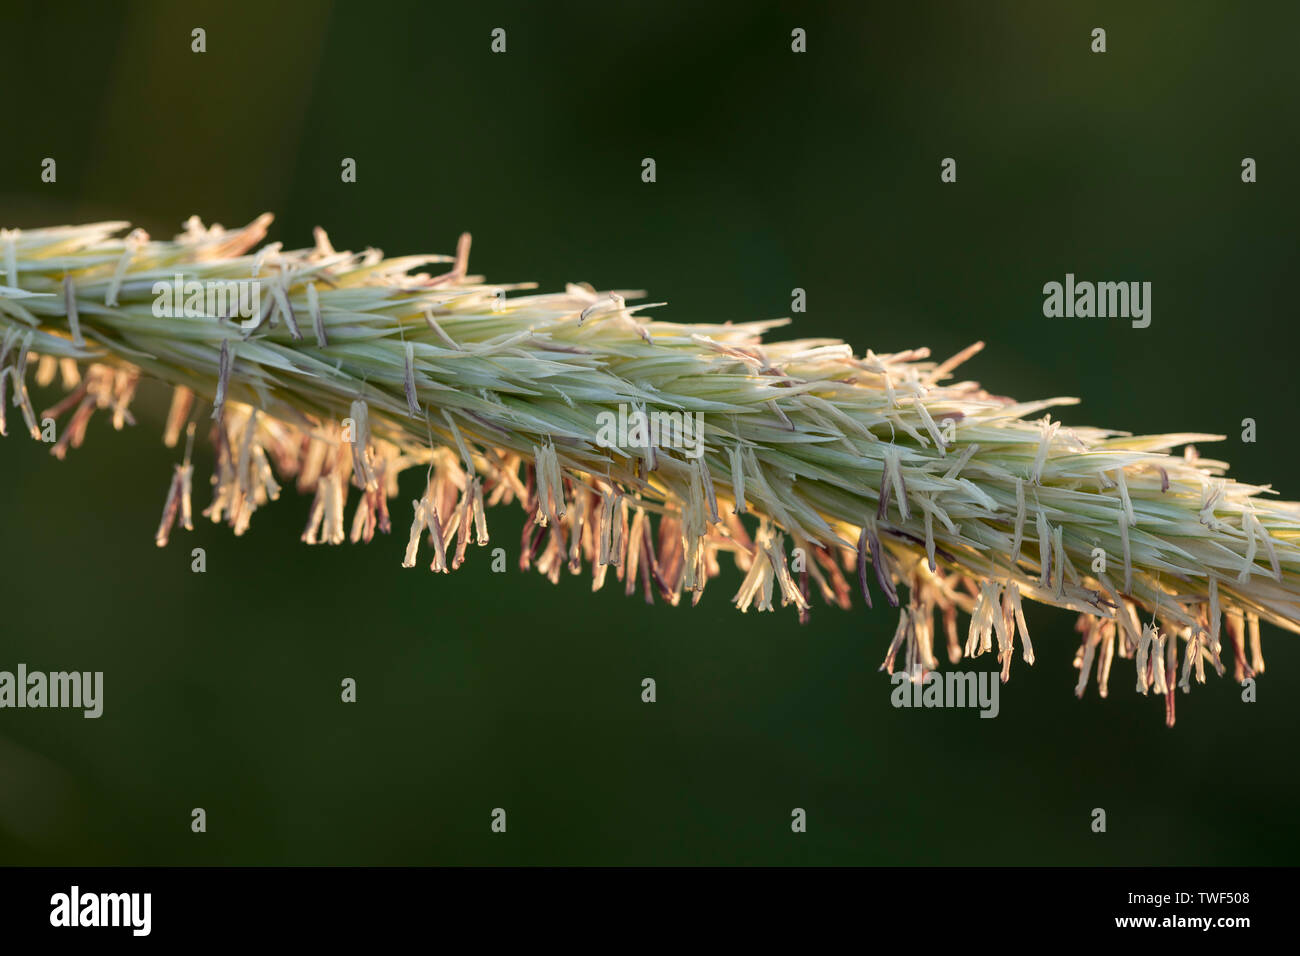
<point x="814" y="466"/>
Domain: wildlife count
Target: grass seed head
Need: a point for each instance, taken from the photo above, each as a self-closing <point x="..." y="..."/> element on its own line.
<point x="354" y="367"/>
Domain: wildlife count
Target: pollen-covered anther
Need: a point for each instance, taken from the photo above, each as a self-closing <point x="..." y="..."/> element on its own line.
<point x="172" y="506"/>
<point x="981" y="621"/>
<point x="362" y="473"/>
<point x="1091" y="628"/>
<point x="177" y="414"/>
<point x="418" y="523"/>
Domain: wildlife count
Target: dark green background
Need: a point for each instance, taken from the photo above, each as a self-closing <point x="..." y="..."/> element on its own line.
<point x="775" y="170"/>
